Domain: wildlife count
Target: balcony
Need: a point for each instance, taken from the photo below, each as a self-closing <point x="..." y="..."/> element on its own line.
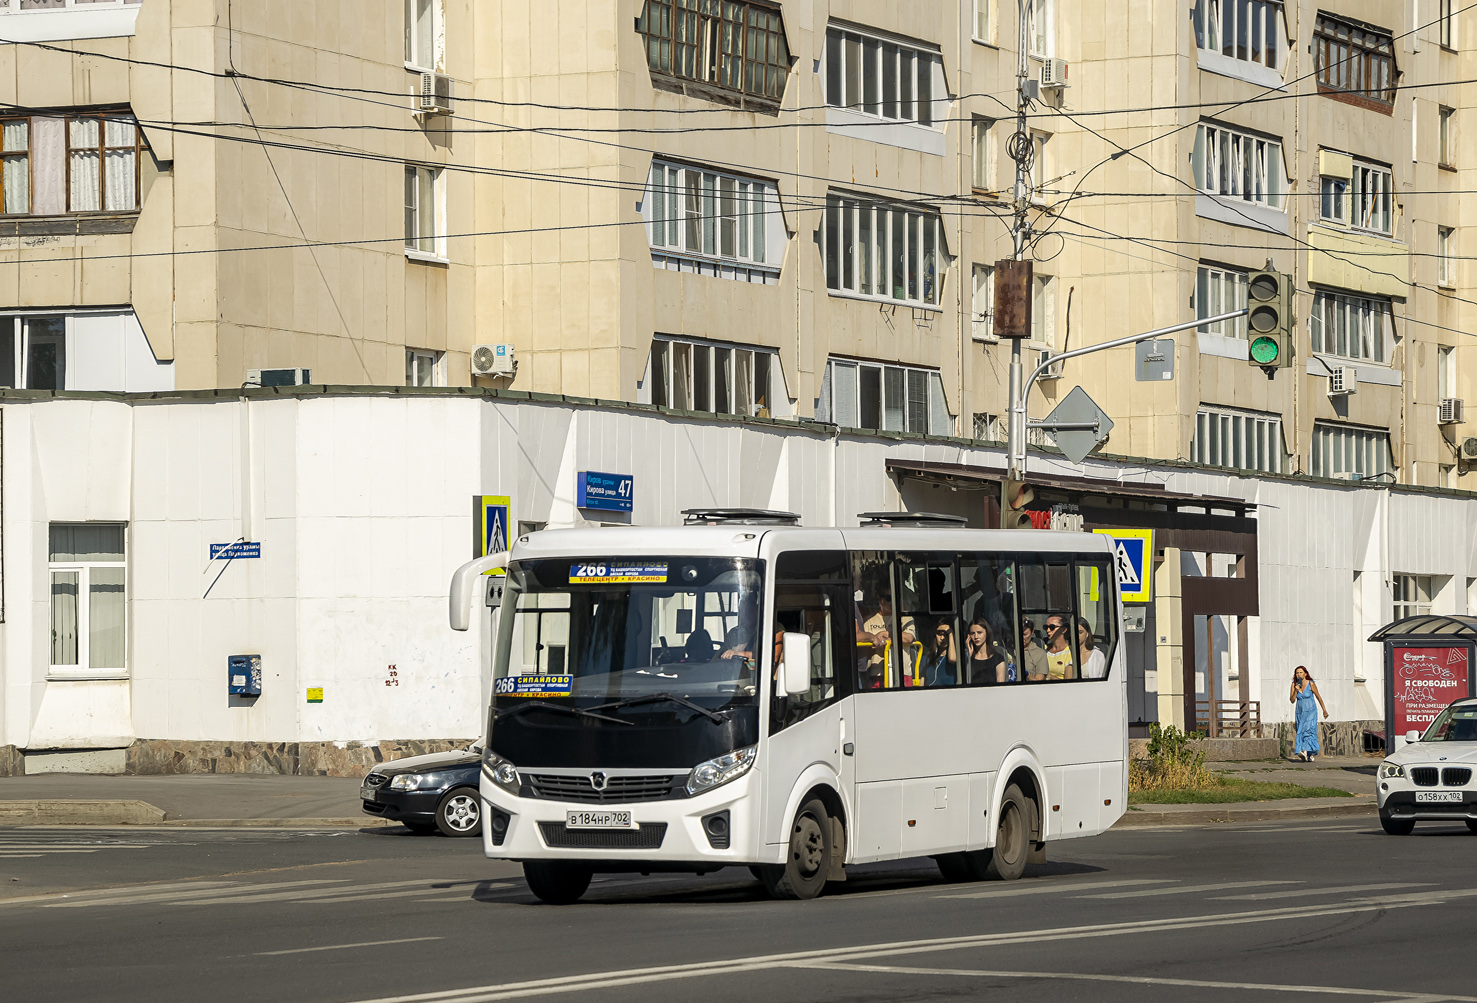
<point x="66" y="20"/>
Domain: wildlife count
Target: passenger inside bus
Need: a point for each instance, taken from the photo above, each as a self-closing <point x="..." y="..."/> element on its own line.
<point x="1033" y="656"/>
<point x="939" y="664"/>
<point x="1060" y="662"/>
<point x="984" y="662"/>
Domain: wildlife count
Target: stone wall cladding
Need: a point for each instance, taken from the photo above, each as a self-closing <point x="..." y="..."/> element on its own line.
<point x="1335" y="738"/>
<point x="157" y="757"/>
<point x="11" y="763"/>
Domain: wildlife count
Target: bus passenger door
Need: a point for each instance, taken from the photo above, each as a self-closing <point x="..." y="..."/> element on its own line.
<point x="808" y="731"/>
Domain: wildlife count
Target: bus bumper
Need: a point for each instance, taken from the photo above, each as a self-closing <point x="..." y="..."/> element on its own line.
<point x="678" y="834"/>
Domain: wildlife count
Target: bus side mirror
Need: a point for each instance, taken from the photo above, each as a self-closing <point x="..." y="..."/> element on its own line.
<point x="794" y="674"/>
<point x="1412" y="736"/>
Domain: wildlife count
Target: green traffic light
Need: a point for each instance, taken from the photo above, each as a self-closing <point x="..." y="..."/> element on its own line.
<point x="1264" y="351"/>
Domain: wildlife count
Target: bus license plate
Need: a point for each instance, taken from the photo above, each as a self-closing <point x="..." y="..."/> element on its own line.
<point x="598" y="820"/>
<point x="1451" y="797"/>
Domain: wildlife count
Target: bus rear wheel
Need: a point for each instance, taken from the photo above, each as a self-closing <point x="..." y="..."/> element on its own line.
<point x="807" y="859"/>
<point x="1012" y="837"/>
<point x="555" y="882"/>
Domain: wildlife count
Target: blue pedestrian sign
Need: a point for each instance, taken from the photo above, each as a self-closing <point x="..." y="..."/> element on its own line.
<point x="608" y="492"/>
<point x="1133" y="559"/>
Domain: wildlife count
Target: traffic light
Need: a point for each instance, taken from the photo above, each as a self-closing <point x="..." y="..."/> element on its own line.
<point x="1269" y="318"/>
<point x="1014" y="497"/>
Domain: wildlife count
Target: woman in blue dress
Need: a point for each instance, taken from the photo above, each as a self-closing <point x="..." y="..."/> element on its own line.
<point x="1304" y="693"/>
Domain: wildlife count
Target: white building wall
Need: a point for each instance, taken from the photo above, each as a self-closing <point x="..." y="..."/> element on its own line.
<point x="361" y="504"/>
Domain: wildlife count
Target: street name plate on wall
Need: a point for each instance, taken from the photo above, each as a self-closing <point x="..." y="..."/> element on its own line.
<point x="607" y="492"/>
<point x="234" y="551"/>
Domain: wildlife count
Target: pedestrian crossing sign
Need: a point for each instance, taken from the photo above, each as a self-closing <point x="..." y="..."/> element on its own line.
<point x="1133" y="558"/>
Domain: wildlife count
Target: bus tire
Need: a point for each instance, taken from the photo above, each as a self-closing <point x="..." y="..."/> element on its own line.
<point x="1012" y="837"/>
<point x="808" y="859"/>
<point x="555" y="882"/>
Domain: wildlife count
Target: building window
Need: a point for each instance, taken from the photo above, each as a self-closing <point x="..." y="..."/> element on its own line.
<point x="424" y="212"/>
<point x="982" y="308"/>
<point x="425" y="35"/>
<point x="879" y="77"/>
<point x="1332" y="195"/>
<point x="1372" y="196"/>
<point x="709" y="376"/>
<point x="1446" y="28"/>
<point x="33" y="353"/>
<point x="1242" y="440"/>
<point x="1445" y="256"/>
<point x="885" y="252"/>
<point x="1040" y="29"/>
<point x="1249" y="30"/>
<point x="984" y="156"/>
<point x="1412" y="595"/>
<point x="872" y="395"/>
<point x="1220" y="290"/>
<point x="694" y="213"/>
<point x="88" y="578"/>
<point x="1238" y="165"/>
<point x="1352" y="327"/>
<point x="738" y="47"/>
<point x="15" y="165"/>
<point x="984" y="24"/>
<point x="424" y="368"/>
<point x="1355" y="63"/>
<point x="1445" y="372"/>
<point x="53" y="165"/>
<point x="1350" y="453"/>
<point x="1445" y="150"/>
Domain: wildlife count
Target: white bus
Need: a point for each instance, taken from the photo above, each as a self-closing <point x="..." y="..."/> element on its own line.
<point x="750" y="692"/>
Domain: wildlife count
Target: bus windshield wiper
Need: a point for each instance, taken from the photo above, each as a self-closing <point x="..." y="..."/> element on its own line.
<point x="657" y="697"/>
<point x="561" y="708"/>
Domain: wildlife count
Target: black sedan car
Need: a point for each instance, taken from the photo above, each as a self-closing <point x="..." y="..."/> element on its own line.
<point x="426" y="793"/>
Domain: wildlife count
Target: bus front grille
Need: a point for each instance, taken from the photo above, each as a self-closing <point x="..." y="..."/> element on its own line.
<point x="617" y="789"/>
<point x="648" y="837"/>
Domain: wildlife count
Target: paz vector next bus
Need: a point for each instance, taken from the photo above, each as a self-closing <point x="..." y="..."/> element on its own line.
<point x="743" y="691"/>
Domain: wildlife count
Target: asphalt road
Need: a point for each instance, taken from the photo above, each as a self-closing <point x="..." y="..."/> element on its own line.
<point x="1312" y="910"/>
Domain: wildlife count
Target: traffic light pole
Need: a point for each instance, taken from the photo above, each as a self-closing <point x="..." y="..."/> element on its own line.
<point x="1018" y="421"/>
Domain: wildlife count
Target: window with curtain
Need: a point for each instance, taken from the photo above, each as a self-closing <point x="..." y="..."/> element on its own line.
<point x="731" y="220"/>
<point x="1372" y="196"/>
<point x="52" y="165"/>
<point x="423" y="200"/>
<point x="711" y="376"/>
<point x="88" y="599"/>
<point x="1238" y="165"/>
<point x="1350" y="453"/>
<point x="1249" y="30"/>
<point x="884" y="252"/>
<point x="1220" y="290"/>
<point x="878" y="76"/>
<point x="1353" y="327"/>
<point x="1242" y="440"/>
<point x="15" y="165"/>
<point x="423" y="37"/>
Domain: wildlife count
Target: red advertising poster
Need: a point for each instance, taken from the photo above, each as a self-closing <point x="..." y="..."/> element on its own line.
<point x="1426" y="680"/>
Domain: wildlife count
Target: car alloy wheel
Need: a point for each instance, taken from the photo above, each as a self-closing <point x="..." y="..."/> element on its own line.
<point x="460" y="813"/>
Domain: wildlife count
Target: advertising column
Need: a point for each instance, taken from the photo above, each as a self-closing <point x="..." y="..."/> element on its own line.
<point x="1423" y="680"/>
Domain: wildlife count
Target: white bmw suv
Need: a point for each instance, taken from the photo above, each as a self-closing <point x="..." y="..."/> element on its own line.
<point x="1430" y="780"/>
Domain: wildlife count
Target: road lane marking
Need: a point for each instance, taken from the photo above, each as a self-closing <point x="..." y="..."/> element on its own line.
<point x="173" y="898"/>
<point x="103" y="892"/>
<point x="640" y="976"/>
<point x="340" y="947"/>
<point x="1258" y="896"/>
<point x="1053" y="887"/>
<point x="1138" y="980"/>
<point x="248" y="894"/>
<point x="1187" y="889"/>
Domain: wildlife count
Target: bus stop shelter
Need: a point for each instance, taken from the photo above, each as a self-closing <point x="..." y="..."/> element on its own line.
<point x="1428" y="664"/>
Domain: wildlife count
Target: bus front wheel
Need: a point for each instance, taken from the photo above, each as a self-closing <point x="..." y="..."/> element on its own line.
<point x="1012" y="837"/>
<point x="808" y="858"/>
<point x="556" y="883"/>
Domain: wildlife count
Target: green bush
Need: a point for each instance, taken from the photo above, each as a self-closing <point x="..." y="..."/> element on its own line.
<point x="1172" y="763"/>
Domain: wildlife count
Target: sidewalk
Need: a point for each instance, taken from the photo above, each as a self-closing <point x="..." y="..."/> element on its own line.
<point x="1355" y="774"/>
<point x="187" y="799"/>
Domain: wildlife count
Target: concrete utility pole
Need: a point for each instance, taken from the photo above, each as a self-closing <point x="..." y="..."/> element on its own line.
<point x="1021" y="150"/>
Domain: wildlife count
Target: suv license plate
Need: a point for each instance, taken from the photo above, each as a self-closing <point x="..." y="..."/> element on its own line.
<point x="1449" y="797"/>
<point x="598" y="820"/>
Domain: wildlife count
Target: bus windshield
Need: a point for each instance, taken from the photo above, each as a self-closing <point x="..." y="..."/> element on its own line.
<point x="630" y="637"/>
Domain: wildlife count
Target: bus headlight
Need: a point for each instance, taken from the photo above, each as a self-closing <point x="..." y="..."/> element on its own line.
<point x="501" y="772"/>
<point x="1388" y="770"/>
<point x="719" y="771"/>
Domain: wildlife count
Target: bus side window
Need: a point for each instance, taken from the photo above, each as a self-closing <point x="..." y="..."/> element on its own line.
<point x="1097" y="623"/>
<point x="990" y="640"/>
<point x="929" y="610"/>
<point x="1049" y="653"/>
<point x="873" y="623"/>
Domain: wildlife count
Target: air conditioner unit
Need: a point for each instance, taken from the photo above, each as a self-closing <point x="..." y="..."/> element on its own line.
<point x="1469" y="448"/>
<point x="278" y="377"/>
<point x="1054" y="72"/>
<point x="435" y="95"/>
<point x="1343" y="381"/>
<point x="494" y="360"/>
<point x="1452" y="411"/>
<point x="1051" y="372"/>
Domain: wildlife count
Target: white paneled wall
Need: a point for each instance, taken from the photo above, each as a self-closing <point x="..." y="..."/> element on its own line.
<point x="361" y="504"/>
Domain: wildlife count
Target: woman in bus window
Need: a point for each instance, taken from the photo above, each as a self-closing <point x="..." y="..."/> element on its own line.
<point x="939" y="663"/>
<point x="1094" y="662"/>
<point x="985" y="663"/>
<point x="1059" y="662"/>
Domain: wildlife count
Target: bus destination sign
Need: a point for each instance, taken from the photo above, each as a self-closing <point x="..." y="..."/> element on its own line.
<point x="533" y="686"/>
<point x="616" y="574"/>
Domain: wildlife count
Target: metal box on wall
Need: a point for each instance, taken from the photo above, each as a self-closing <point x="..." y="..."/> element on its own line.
<point x="244" y="675"/>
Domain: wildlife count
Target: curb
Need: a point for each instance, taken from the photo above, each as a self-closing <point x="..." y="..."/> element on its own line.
<point x="367" y="822"/>
<point x="1213" y="816"/>
<point x="79" y="812"/>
